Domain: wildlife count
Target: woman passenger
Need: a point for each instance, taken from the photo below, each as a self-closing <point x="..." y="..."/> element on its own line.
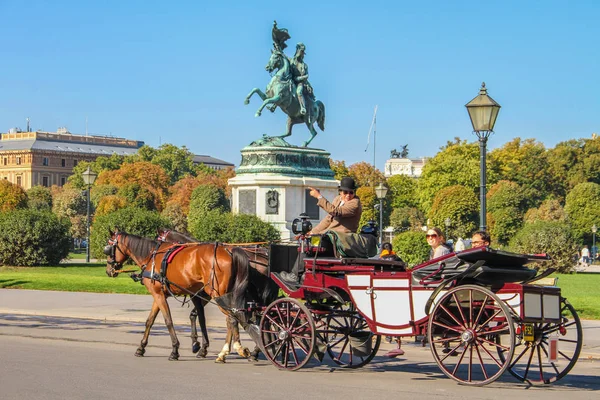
<point x="435" y="238"/>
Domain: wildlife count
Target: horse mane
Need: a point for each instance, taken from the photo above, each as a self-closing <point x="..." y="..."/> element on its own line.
<point x="139" y="246"/>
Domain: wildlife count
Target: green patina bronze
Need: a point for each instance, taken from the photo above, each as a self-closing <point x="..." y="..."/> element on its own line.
<point x="289" y="160"/>
<point x="289" y="89"/>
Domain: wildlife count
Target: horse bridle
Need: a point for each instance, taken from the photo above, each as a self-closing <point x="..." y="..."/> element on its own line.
<point x="111" y="250"/>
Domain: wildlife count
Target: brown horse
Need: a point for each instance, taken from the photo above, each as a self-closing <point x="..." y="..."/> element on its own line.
<point x="201" y="270"/>
<point x="259" y="260"/>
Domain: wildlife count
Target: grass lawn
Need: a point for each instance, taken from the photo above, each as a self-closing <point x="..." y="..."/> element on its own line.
<point x="78" y="254"/>
<point x="70" y="278"/>
<point x="582" y="290"/>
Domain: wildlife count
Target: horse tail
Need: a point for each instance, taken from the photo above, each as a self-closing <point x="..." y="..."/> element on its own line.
<point x="240" y="266"/>
<point x="321" y="115"/>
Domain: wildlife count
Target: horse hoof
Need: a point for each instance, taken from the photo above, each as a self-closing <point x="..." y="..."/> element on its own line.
<point x="220" y="360"/>
<point x="174" y="357"/>
<point x="252" y="359"/>
<point x="257" y="114"/>
<point x="140" y="352"/>
<point x="244" y="352"/>
<point x="195" y="347"/>
<point x="202" y="353"/>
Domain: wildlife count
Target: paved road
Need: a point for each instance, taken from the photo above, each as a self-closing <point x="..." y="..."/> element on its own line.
<point x="68" y="358"/>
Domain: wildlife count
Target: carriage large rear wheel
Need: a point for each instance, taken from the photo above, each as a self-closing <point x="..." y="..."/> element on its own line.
<point x="350" y="343"/>
<point x="288" y="334"/>
<point x="464" y="330"/>
<point x="531" y="361"/>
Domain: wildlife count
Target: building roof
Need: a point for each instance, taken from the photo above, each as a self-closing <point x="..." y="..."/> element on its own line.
<point x="69" y="147"/>
<point x="210" y="160"/>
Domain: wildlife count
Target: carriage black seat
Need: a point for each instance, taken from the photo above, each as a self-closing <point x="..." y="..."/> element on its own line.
<point x="352" y="245"/>
<point x="498" y="267"/>
<point x="282" y="257"/>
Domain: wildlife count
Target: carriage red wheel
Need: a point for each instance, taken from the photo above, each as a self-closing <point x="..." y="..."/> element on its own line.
<point x="350" y="343"/>
<point x="288" y="334"/>
<point x="531" y="359"/>
<point x="464" y="333"/>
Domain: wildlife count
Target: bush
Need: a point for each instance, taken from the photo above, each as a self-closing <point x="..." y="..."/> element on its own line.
<point x="12" y="196"/>
<point x="232" y="228"/>
<point x="554" y="238"/>
<point x="407" y="218"/>
<point x="131" y="220"/>
<point x="30" y="237"/>
<point x="412" y="247"/>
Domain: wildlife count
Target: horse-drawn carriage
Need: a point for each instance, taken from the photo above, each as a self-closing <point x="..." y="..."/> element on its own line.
<point x="482" y="311"/>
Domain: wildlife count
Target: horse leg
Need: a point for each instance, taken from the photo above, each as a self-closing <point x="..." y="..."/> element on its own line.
<point x="272" y="100"/>
<point x="194" y="334"/>
<point x="288" y="130"/>
<point x="161" y="300"/>
<point x="199" y="305"/>
<point x="257" y="91"/>
<point x="254" y="355"/>
<point x="237" y="343"/>
<point x="225" y="350"/>
<point x="313" y="132"/>
<point x="149" y="322"/>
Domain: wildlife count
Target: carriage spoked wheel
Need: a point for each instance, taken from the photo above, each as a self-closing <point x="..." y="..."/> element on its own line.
<point x="350" y="343"/>
<point x="532" y="362"/>
<point x="288" y="334"/>
<point x="464" y="331"/>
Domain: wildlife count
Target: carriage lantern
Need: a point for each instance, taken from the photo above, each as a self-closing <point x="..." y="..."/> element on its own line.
<point x="483" y="111"/>
<point x="301" y="225"/>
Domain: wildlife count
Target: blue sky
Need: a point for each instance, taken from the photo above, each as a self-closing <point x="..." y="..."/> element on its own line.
<point x="177" y="72"/>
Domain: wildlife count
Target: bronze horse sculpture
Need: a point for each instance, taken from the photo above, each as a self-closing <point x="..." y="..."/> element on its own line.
<point x="258" y="258"/>
<point x="201" y="270"/>
<point x="281" y="92"/>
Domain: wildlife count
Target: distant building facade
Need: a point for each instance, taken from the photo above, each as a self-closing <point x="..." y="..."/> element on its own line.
<point x="412" y="167"/>
<point x="211" y="162"/>
<point x="47" y="158"/>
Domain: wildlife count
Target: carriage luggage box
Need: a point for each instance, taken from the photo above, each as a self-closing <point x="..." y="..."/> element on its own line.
<point x="540" y="304"/>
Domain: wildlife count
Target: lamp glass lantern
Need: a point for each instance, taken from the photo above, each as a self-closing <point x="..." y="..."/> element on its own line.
<point x="89" y="177"/>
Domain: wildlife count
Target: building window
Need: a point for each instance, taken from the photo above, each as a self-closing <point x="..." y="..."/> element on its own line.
<point x="45" y="162"/>
<point x="63" y="162"/>
<point x="63" y="180"/>
<point x="19" y="181"/>
<point x="45" y="181"/>
<point x="18" y="160"/>
<point x="74" y="163"/>
<point x="5" y="161"/>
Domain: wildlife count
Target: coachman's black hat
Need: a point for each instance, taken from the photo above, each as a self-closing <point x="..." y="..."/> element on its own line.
<point x="347" y="183"/>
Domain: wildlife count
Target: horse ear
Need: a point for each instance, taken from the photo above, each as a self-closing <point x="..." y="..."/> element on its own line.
<point x="110" y="233"/>
<point x="117" y="230"/>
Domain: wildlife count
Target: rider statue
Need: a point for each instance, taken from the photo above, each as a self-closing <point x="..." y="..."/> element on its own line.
<point x="300" y="73"/>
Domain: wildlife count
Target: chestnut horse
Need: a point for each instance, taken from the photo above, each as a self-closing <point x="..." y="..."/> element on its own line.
<point x="259" y="260"/>
<point x="201" y="270"/>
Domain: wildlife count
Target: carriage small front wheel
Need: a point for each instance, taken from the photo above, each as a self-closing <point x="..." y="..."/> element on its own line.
<point x="288" y="334"/>
<point x="468" y="327"/>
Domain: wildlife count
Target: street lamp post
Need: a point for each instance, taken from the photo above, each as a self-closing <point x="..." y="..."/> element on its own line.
<point x="89" y="177"/>
<point x="381" y="192"/>
<point x="594" y="230"/>
<point x="483" y="111"/>
<point x="447" y="222"/>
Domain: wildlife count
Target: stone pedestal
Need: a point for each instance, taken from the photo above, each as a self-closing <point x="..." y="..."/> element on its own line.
<point x="272" y="182"/>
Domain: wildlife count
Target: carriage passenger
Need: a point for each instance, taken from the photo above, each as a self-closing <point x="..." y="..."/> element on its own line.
<point x="435" y="238"/>
<point x="480" y="238"/>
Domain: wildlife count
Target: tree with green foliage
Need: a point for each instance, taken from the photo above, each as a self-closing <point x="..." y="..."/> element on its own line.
<point x="367" y="201"/>
<point x="365" y="174"/>
<point x="457" y="163"/>
<point x="549" y="210"/>
<point x="232" y="228"/>
<point x="12" y="197"/>
<point x="177" y="162"/>
<point x="176" y="216"/>
<point x="458" y="203"/>
<point x="411" y="247"/>
<point x="553" y="238"/>
<point x="100" y="191"/>
<point x="132" y="220"/>
<point x="137" y="196"/>
<point x="526" y="163"/>
<point x="407" y="219"/>
<point x="583" y="209"/>
<point x="99" y="165"/>
<point x="339" y="169"/>
<point x="206" y="198"/>
<point x="506" y="205"/>
<point x="71" y="203"/>
<point x="39" y="198"/>
<point x="402" y="191"/>
<point x="31" y="237"/>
